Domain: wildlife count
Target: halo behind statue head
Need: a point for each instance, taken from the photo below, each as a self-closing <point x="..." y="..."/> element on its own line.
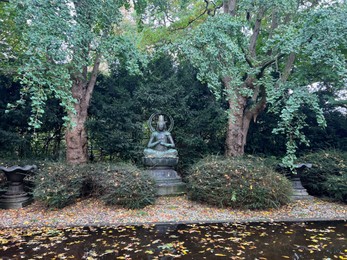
<point x="157" y="114"/>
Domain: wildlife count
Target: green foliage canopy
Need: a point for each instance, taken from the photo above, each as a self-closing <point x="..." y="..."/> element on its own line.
<point x="63" y="39"/>
<point x="267" y="50"/>
<point x="122" y="104"/>
<point x="10" y="38"/>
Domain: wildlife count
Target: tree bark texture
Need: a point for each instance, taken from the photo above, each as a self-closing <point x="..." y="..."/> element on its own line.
<point x="76" y="144"/>
<point x="242" y="110"/>
<point x="76" y="135"/>
<point x="237" y="127"/>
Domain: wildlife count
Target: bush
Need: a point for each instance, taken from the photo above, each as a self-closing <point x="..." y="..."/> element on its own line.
<point x="336" y="187"/>
<point x="238" y="183"/>
<point x="58" y="185"/>
<point x="326" y="165"/>
<point x="127" y="186"/>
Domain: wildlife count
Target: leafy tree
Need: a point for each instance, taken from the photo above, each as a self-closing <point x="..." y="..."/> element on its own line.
<point x="334" y="135"/>
<point x="122" y="104"/>
<point x="199" y="119"/>
<point x="66" y="41"/>
<point x="10" y="38"/>
<point x="257" y="53"/>
<point x="115" y="122"/>
<point x="15" y="137"/>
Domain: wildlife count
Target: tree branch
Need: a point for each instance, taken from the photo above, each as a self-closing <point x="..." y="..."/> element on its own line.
<point x="274" y="22"/>
<point x="196" y="18"/>
<point x="230" y="7"/>
<point x="92" y="80"/>
<point x="215" y="8"/>
<point x="341" y="103"/>
<point x="248" y="60"/>
<point x="267" y="64"/>
<point x="288" y="67"/>
<point x="256" y="31"/>
<point x="274" y="25"/>
<point x="260" y="105"/>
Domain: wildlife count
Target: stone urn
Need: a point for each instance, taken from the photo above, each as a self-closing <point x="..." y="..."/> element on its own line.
<point x="15" y="196"/>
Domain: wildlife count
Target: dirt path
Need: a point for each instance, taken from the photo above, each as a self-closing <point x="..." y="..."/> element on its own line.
<point x="92" y="212"/>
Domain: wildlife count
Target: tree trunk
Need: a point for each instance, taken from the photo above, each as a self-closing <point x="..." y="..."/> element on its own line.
<point x="240" y="116"/>
<point x="238" y="125"/>
<point x="243" y="109"/>
<point x="76" y="144"/>
<point x="76" y="134"/>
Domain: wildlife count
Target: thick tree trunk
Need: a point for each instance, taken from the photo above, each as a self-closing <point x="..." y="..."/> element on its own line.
<point x="76" y="144"/>
<point x="76" y="134"/>
<point x="240" y="116"/>
<point x="237" y="127"/>
<point x="241" y="111"/>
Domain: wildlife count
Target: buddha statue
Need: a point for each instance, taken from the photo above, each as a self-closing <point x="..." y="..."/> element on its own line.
<point x="161" y="157"/>
<point x="161" y="144"/>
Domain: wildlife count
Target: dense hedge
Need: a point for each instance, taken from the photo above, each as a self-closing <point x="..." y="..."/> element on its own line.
<point x="238" y="183"/>
<point x="336" y="187"/>
<point x="58" y="185"/>
<point x="127" y="186"/>
<point x="328" y="175"/>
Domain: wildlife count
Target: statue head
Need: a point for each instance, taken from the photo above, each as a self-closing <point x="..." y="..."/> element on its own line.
<point x="158" y="119"/>
<point x="161" y="124"/>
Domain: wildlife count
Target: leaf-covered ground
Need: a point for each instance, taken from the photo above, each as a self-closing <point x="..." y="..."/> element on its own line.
<point x="92" y="212"/>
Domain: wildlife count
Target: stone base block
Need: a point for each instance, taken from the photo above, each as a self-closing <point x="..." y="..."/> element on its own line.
<point x="169" y="183"/>
<point x="7" y="202"/>
<point x="299" y="192"/>
<point x="171" y="189"/>
<point x="308" y="197"/>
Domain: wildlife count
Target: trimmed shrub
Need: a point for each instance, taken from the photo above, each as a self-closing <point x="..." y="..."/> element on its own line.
<point x="237" y="182"/>
<point x="328" y="167"/>
<point x="127" y="186"/>
<point x="336" y="187"/>
<point x="58" y="185"/>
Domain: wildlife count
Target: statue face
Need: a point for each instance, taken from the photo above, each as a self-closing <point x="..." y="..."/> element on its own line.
<point x="161" y="126"/>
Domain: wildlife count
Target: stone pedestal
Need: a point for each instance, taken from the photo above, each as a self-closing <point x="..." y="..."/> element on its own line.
<point x="15" y="196"/>
<point x="299" y="192"/>
<point x="169" y="183"/>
